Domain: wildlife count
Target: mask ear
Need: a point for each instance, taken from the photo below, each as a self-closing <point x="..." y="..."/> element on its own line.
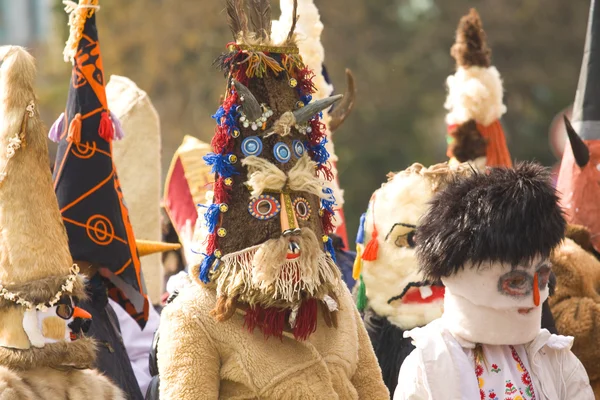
<point x="12" y="334"/>
<point x="30" y="324"/>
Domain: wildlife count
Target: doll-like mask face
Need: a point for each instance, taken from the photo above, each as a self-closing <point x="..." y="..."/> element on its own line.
<point x="516" y="289"/>
<point x="64" y="321"/>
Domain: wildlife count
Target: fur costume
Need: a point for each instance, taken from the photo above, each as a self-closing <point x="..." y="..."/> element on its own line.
<point x="576" y="304"/>
<point x="392" y="291"/>
<point x="267" y="315"/>
<point x="474" y="100"/>
<point x="308" y="32"/>
<point x="43" y="352"/>
<point x="488" y="238"/>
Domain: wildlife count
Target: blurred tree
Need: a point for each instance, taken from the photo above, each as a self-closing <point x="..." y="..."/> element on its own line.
<point x="397" y="49"/>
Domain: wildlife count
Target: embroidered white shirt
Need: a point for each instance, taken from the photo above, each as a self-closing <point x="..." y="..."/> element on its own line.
<point x="503" y="373"/>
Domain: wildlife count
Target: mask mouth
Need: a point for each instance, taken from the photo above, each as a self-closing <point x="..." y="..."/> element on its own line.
<point x="420" y="293"/>
<point x="525" y="311"/>
<point x="79" y="326"/>
<point x="293" y="251"/>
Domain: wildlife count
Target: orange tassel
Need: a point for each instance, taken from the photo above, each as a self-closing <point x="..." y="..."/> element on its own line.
<point x="75" y="129"/>
<point x="536" y="290"/>
<point x="372" y="248"/>
<point x="106" y="130"/>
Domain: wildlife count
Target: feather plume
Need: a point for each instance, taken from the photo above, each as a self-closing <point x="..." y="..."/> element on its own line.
<point x="470" y="48"/>
<point x="242" y="16"/>
<point x="265" y="15"/>
<point x="233" y="18"/>
<point x="255" y="21"/>
<point x="290" y="36"/>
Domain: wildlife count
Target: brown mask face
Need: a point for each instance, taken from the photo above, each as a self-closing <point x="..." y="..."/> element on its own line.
<point x="269" y="234"/>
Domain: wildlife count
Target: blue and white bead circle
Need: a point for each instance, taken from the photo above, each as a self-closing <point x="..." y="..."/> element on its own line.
<point x="282" y="152"/>
<point x="298" y="148"/>
<point x="252" y="146"/>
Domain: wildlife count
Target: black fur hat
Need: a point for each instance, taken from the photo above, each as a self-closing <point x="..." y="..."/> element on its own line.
<point x="502" y="215"/>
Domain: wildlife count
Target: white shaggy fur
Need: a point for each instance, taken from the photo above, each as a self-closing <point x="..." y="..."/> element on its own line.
<point x="474" y="93"/>
<point x="404" y="199"/>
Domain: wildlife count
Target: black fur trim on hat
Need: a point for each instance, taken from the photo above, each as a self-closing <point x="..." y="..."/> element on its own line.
<point x="502" y="215"/>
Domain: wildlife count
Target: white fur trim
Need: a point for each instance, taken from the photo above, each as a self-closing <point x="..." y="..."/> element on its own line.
<point x="474" y="93"/>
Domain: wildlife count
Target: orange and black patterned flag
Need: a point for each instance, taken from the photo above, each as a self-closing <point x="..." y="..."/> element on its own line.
<point x="85" y="178"/>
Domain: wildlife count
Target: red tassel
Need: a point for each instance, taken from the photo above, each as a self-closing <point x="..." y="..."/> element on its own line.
<point x="221" y="141"/>
<point x="106" y="129"/>
<point x="75" y="129"/>
<point x="306" y="321"/>
<point x="370" y="253"/>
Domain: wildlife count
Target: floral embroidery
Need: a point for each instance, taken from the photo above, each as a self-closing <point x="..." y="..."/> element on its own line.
<point x="525" y="378"/>
<point x="510" y="388"/>
<point x="492" y="395"/>
<point x="478" y="370"/>
<point x="481" y="394"/>
<point x="495" y="368"/>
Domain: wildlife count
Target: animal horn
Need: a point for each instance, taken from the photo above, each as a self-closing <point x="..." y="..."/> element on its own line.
<point x="344" y="108"/>
<point x="305" y="113"/>
<point x="250" y="105"/>
<point x="580" y="149"/>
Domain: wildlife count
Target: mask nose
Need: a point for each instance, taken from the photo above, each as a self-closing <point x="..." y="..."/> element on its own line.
<point x="81" y="313"/>
<point x="288" y="220"/>
<point x="536" y="290"/>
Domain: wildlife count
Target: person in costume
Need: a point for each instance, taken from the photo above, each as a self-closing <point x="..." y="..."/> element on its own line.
<point x="474" y="100"/>
<point x="44" y="353"/>
<point x="392" y="293"/>
<point x="101" y="237"/>
<point x="475" y="105"/>
<point x="266" y="314"/>
<point x="488" y="237"/>
<point x="576" y="304"/>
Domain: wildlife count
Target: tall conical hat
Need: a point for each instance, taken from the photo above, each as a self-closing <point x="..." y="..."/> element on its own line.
<point x="308" y="31"/>
<point x="580" y="167"/>
<point x="188" y="181"/>
<point x="85" y="178"/>
<point x="36" y="268"/>
<point x="137" y="157"/>
<point x="268" y="246"/>
<point x="474" y="99"/>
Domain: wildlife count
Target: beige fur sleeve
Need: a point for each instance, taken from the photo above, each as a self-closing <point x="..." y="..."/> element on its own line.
<point x="12" y="387"/>
<point x="367" y="379"/>
<point x="188" y="361"/>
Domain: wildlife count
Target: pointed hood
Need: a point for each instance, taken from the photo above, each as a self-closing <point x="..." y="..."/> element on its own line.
<point x="580" y="167"/>
<point x="474" y="100"/>
<point x="85" y="178"/>
<point x="36" y="268"/>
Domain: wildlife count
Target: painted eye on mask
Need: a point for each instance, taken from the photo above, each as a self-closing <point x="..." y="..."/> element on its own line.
<point x="264" y="207"/>
<point x="407" y="240"/>
<point x="543" y="276"/>
<point x="515" y="283"/>
<point x="64" y="308"/>
<point x="302" y="208"/>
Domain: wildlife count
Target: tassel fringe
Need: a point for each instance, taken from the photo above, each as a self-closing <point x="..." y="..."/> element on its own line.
<point x="57" y="129"/>
<point x="361" y="297"/>
<point x="74" y="135"/>
<point x="106" y="129"/>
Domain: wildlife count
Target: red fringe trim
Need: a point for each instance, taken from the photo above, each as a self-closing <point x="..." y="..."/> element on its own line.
<point x="106" y="129"/>
<point x="270" y="321"/>
<point x="305" y="78"/>
<point x="211" y="246"/>
<point x="306" y="321"/>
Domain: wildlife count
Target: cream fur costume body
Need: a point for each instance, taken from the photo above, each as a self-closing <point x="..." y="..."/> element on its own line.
<point x="35" y="264"/>
<point x="394" y="211"/>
